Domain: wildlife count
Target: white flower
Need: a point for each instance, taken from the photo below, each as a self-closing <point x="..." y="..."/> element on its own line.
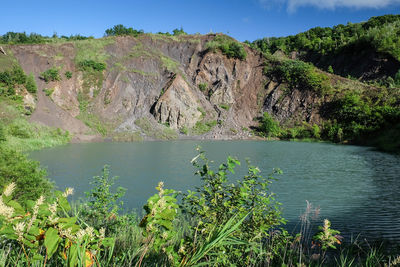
<point x="80" y="234"/>
<point x="9" y="189"/>
<point x="89" y="231"/>
<point x="69" y="191"/>
<point x="5" y="210"/>
<point x="102" y="233"/>
<point x="19" y="230"/>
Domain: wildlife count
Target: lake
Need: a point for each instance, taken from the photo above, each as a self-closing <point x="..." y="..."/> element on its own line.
<point x="357" y="188"/>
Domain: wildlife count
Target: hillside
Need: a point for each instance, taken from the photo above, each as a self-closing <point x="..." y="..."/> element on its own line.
<point x="368" y="51"/>
<point x="140" y="86"/>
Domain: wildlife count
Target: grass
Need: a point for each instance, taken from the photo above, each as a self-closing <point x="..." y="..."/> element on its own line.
<point x="165" y="133"/>
<point x="170" y="64"/>
<point x="127" y="136"/>
<point x="202" y="127"/>
<point x="22" y="135"/>
<point x="92" y="49"/>
<point x="94" y="123"/>
<point x="7" y="61"/>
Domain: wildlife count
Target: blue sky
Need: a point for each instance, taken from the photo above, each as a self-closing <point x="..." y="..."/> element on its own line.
<point x="242" y="19"/>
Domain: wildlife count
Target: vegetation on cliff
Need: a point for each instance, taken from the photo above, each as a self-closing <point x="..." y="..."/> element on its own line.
<point x="321" y="45"/>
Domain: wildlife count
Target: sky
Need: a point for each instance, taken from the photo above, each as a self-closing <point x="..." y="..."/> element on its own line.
<point x="241" y="19"/>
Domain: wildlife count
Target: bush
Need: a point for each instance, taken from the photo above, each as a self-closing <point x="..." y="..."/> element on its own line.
<point x="88" y="65"/>
<point x="51" y="75"/>
<point x="203" y="87"/>
<point x="30" y="179"/>
<point x="30" y="84"/>
<point x="228" y="47"/>
<point x="122" y="30"/>
<point x="68" y="75"/>
<point x="268" y="126"/>
<point x="299" y="74"/>
<point x="218" y="200"/>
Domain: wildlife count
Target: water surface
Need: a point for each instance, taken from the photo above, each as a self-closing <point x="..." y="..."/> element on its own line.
<point x="357" y="188"/>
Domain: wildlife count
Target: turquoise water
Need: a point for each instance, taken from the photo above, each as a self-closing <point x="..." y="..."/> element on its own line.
<point x="357" y="188"/>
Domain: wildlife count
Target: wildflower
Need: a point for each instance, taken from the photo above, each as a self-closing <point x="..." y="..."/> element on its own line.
<point x="5" y="210"/>
<point x="53" y="209"/>
<point x="67" y="233"/>
<point x="181" y="249"/>
<point x="19" y="230"/>
<point x="102" y="233"/>
<point x="164" y="235"/>
<point x="89" y="231"/>
<point x="160" y="189"/>
<point x="69" y="191"/>
<point x="80" y="234"/>
<point x="9" y="189"/>
<point x="35" y="211"/>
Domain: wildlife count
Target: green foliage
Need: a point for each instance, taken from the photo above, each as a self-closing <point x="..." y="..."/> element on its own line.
<point x="203" y="87"/>
<point x="177" y="32"/>
<point x="218" y="200"/>
<point x="228" y="47"/>
<point x="48" y="92"/>
<point x="327" y="237"/>
<point x="203" y="127"/>
<point x="158" y="223"/>
<point x="21" y="38"/>
<point x="31" y="84"/>
<point x="122" y="30"/>
<point x="42" y="229"/>
<point x="100" y="199"/>
<point x="51" y="75"/>
<point x="89" y="64"/>
<point x="268" y="126"/>
<point x="322" y="44"/>
<point x="68" y="74"/>
<point x="224" y="106"/>
<point x="11" y="79"/>
<point x="29" y="178"/>
<point x="299" y="74"/>
<point x="330" y="69"/>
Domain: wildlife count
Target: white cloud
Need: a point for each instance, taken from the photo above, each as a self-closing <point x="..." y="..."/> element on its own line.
<point x="292" y="5"/>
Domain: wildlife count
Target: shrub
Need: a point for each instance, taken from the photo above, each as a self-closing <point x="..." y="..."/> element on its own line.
<point x="224" y="106"/>
<point x="268" y="126"/>
<point x="228" y="47"/>
<point x="218" y="200"/>
<point x="203" y="87"/>
<point x="122" y="30"/>
<point x="44" y="229"/>
<point x="51" y="75"/>
<point x="68" y="75"/>
<point x="101" y="199"/>
<point x="30" y="179"/>
<point x="48" y="92"/>
<point x="180" y="31"/>
<point x="18" y="75"/>
<point x="87" y="65"/>
<point x="30" y="84"/>
<point x="299" y="74"/>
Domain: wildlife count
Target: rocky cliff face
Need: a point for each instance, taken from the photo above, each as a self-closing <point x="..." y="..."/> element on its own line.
<point x="156" y="84"/>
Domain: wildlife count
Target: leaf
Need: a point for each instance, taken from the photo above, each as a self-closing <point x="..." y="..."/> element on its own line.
<point x="51" y="241"/>
<point x="37" y="257"/>
<point x="17" y="207"/>
<point x="73" y="255"/>
<point x="64" y="204"/>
